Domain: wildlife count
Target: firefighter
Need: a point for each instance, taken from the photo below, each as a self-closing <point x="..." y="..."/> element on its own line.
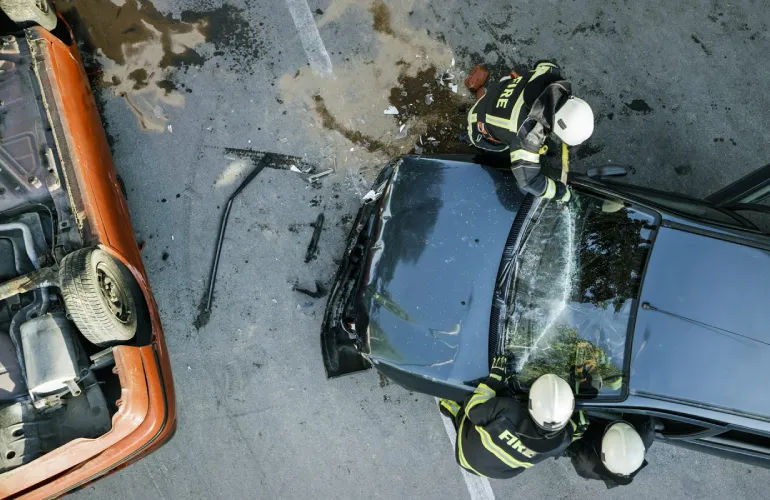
<point x="519" y="113"/>
<point x="613" y="453"/>
<point x="501" y="437"/>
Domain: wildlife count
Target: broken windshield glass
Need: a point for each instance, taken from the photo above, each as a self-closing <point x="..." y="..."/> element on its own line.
<point x="576" y="281"/>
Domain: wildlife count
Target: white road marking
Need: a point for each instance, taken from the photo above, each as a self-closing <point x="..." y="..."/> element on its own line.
<point x="311" y="39"/>
<point x="478" y="487"/>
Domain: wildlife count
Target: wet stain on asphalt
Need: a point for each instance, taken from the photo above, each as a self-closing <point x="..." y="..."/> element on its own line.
<point x="135" y="50"/>
<point x="168" y="86"/>
<point x="139" y="76"/>
<point x="683" y="169"/>
<point x="381" y="17"/>
<point x="442" y="120"/>
<point x="116" y="29"/>
<point x="329" y="122"/>
<point x="702" y="46"/>
<point x="639" y="105"/>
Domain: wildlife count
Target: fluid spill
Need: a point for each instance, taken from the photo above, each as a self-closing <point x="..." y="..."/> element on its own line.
<point x="436" y="115"/>
<point x="356" y="137"/>
<point x="381" y="17"/>
<point x="352" y="105"/>
<point x="136" y="49"/>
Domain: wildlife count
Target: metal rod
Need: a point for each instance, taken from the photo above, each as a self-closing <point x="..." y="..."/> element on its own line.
<point x="223" y="227"/>
<point x="215" y="265"/>
<point x="48" y="276"/>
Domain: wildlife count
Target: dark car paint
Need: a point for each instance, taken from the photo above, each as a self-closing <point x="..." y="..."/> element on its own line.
<point x="713" y="419"/>
<point x="708" y="329"/>
<point x="442" y="222"/>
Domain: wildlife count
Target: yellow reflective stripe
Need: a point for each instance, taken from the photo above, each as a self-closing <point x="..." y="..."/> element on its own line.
<point x="504" y="457"/>
<point x="523" y="154"/>
<point x="472" y="116"/>
<point x="482" y="394"/>
<point x="450" y="405"/>
<point x="517" y="109"/>
<point x="583" y="421"/>
<point x="495" y="376"/>
<point x="460" y="455"/>
<point x="550" y="190"/>
<point x="541" y="69"/>
<point x="499" y="122"/>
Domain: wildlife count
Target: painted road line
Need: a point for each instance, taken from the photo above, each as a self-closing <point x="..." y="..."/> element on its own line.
<point x="478" y="487"/>
<point x="311" y="39"/>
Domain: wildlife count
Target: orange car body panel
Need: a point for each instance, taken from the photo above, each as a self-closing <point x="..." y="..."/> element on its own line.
<point x="147" y="414"/>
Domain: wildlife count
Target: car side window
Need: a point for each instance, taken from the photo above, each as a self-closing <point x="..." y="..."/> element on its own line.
<point x="688" y="206"/>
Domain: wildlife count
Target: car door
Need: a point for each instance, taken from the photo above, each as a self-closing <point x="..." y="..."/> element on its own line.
<point x="749" y="195"/>
<point x="703" y="435"/>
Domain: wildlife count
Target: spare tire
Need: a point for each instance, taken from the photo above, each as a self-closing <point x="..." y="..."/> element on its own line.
<point x="98" y="297"/>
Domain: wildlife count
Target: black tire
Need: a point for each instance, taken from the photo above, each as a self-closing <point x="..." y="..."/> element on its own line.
<point x="98" y="297"/>
<point x="27" y="13"/>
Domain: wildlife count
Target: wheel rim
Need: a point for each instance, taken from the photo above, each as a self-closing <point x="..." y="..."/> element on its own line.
<point x="116" y="298"/>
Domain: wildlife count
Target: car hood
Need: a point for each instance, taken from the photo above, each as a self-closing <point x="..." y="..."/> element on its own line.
<point x="433" y="260"/>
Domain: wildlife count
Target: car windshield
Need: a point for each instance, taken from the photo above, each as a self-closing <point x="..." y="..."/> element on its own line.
<point x="576" y="280"/>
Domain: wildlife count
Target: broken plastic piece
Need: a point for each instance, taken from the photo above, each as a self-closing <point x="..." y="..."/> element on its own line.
<point x="317" y="176"/>
<point x="318" y="293"/>
<point x="369" y="197"/>
<point x="453" y="86"/>
<point x="294" y="168"/>
<point x="391" y="110"/>
<point x="428" y="99"/>
<point x="312" y="248"/>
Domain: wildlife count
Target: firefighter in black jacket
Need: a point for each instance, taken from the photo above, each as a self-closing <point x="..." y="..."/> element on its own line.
<point x="499" y="437"/>
<point x="613" y="453"/>
<point x="518" y="114"/>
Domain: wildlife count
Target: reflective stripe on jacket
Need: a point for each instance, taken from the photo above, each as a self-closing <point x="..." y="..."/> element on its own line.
<point x="497" y="438"/>
<point x="517" y="115"/>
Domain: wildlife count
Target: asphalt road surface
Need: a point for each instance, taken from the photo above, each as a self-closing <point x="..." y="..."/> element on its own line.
<point x="679" y="90"/>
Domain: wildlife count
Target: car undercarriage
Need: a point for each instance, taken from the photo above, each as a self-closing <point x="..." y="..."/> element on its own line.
<point x="63" y="304"/>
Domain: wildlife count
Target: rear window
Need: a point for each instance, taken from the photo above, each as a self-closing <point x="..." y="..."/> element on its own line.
<point x="577" y="278"/>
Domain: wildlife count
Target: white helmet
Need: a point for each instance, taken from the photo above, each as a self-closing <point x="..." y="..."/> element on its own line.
<point x="622" y="449"/>
<point x="574" y="122"/>
<point x="551" y="402"/>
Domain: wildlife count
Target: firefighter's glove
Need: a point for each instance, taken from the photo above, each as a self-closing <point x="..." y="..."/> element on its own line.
<point x="563" y="193"/>
<point x="581" y="424"/>
<point x="499" y="366"/>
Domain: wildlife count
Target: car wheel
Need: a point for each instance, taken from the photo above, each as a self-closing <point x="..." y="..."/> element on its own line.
<point x="98" y="297"/>
<point x="30" y="12"/>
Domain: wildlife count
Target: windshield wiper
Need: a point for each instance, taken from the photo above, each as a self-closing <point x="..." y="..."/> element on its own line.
<point x="519" y="229"/>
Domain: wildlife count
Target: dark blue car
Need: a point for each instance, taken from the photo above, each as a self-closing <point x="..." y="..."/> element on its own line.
<point x="647" y="302"/>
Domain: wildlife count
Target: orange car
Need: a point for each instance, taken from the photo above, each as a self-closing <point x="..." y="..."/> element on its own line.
<point x="85" y="380"/>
